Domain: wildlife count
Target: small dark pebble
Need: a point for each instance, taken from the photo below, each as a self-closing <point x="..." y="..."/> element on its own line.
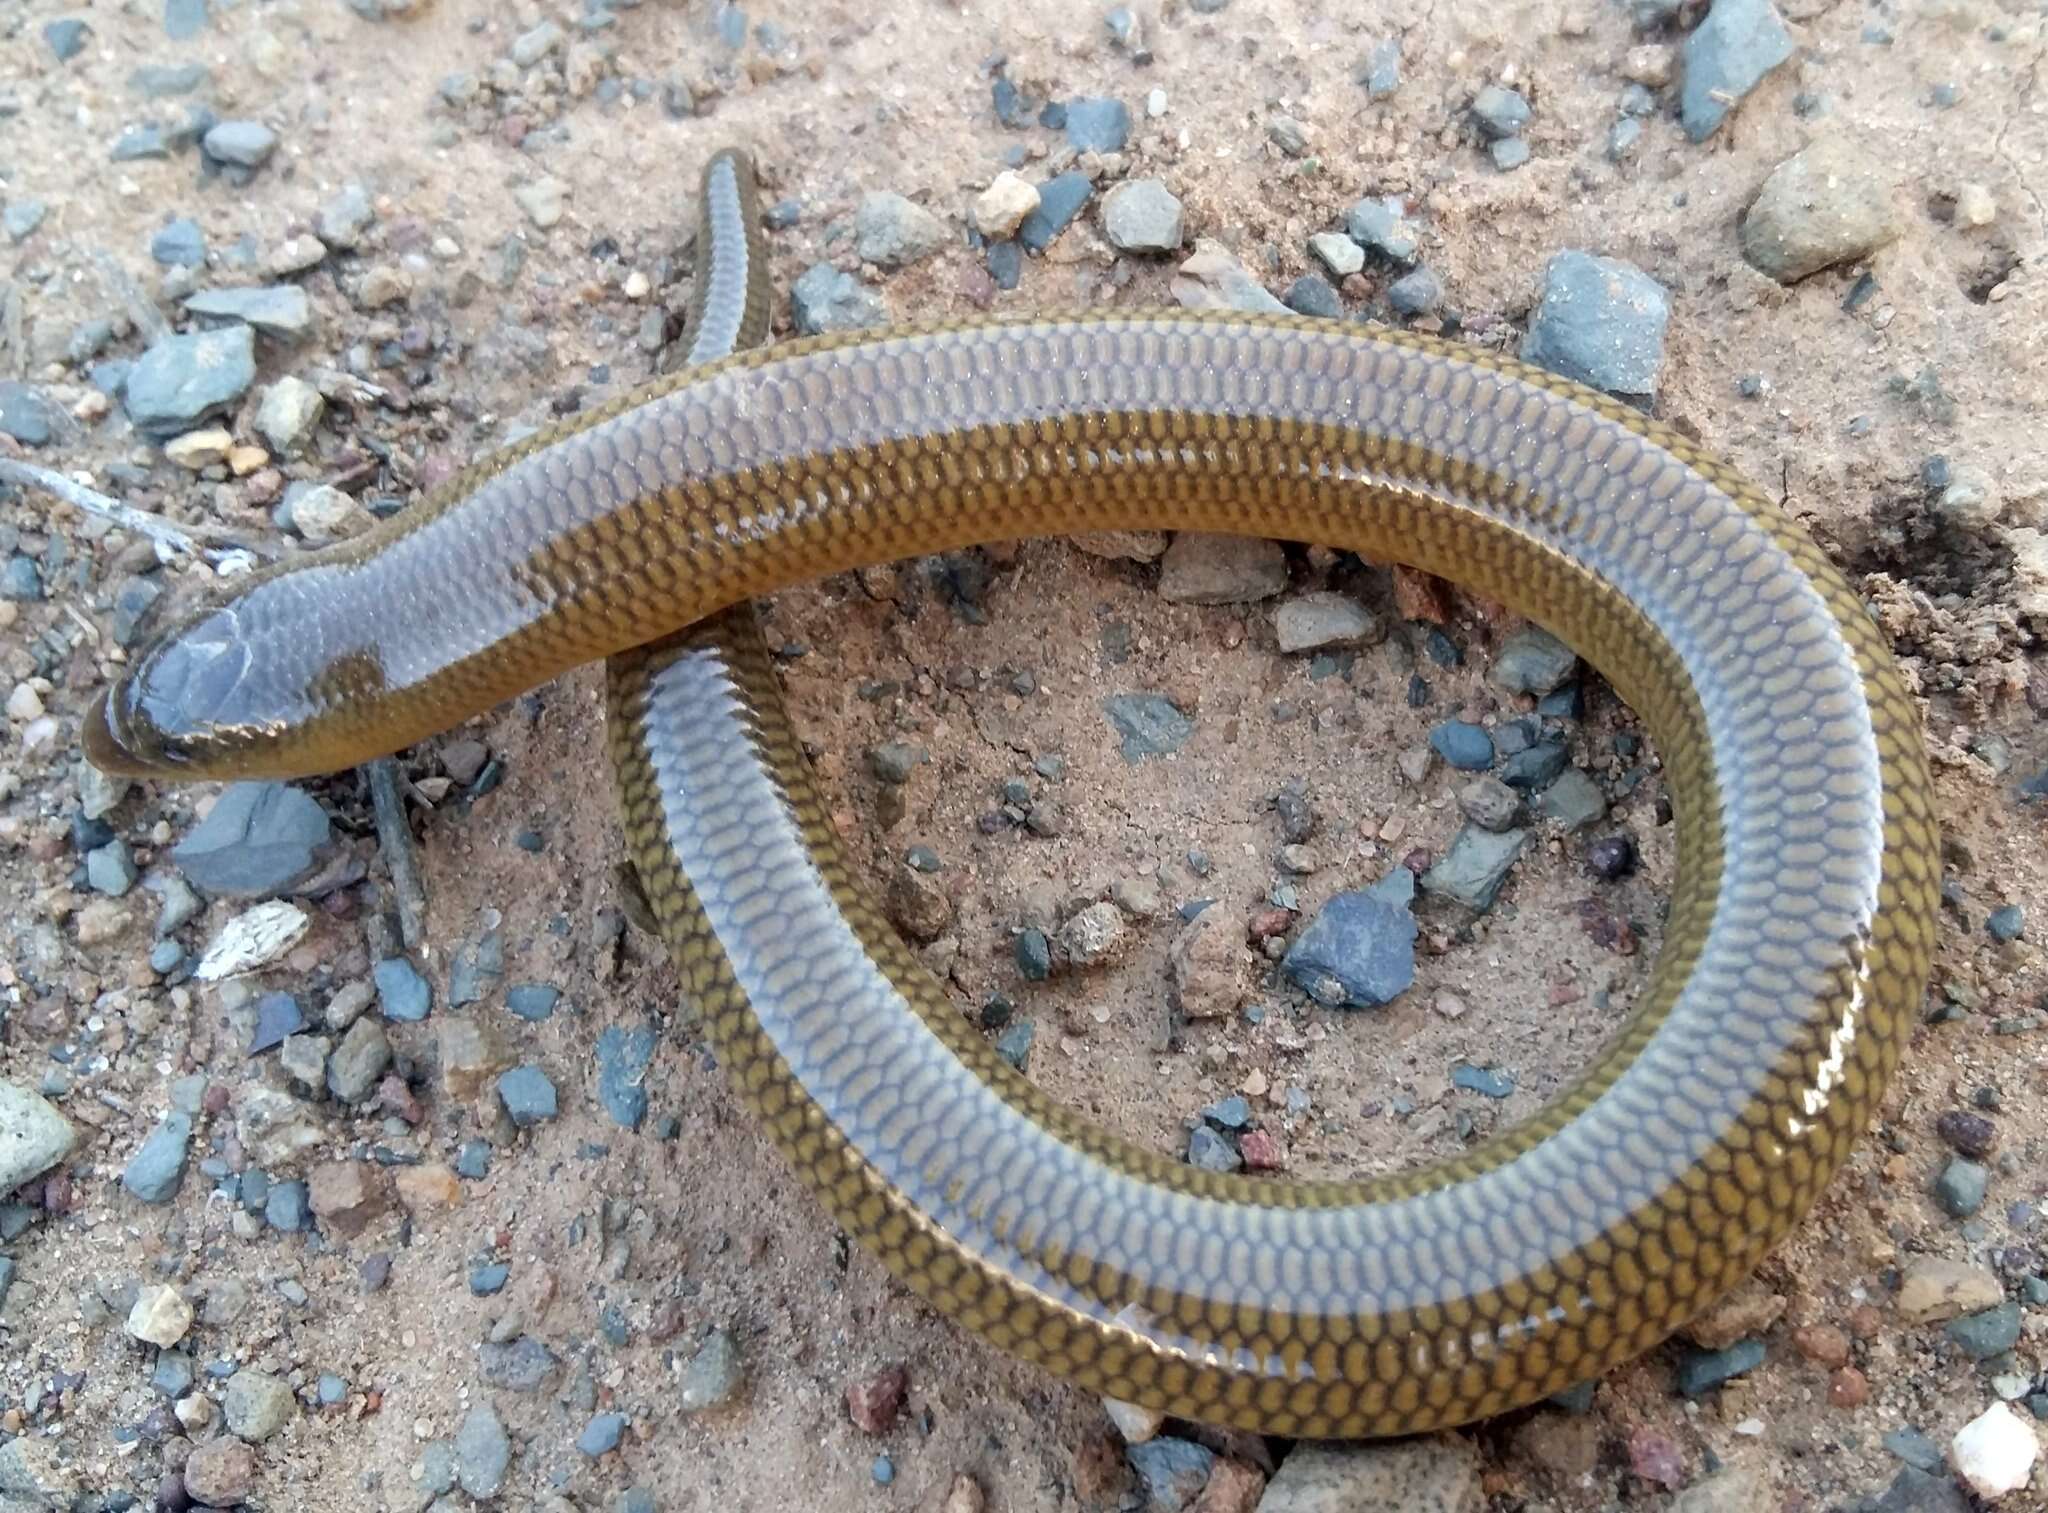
<point x="1487" y="1081"/>
<point x="1034" y="955"/>
<point x="2006" y="924"/>
<point x="1700" y="1371"/>
<point x="487" y="1278"/>
<point x="1971" y="1134"/>
<point x="1612" y="857"/>
<point x="1312" y="294"/>
<point x="1914" y="1448"/>
<point x="1211" y="1152"/>
<point x="1232" y="1113"/>
<point x="1464" y="745"/>
<point x="1981" y="1336"/>
<point x="1015" y="1044"/>
<point x="473" y="1161"/>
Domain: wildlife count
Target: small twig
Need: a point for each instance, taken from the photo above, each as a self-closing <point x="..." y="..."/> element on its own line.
<point x="394" y="838"/>
<point x="176" y="538"/>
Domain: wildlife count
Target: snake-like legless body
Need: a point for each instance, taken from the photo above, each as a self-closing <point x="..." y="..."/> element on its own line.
<point x="1802" y="913"/>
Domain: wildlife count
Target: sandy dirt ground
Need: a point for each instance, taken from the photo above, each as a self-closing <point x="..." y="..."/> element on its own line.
<point x="625" y="1247"/>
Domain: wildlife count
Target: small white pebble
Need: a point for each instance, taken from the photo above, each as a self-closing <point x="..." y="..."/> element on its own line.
<point x="446" y="248"/>
<point x="1994" y="1453"/>
<point x="1750" y="1428"/>
<point x="637" y="285"/>
<point x="24" y="704"/>
<point x="1155" y="104"/>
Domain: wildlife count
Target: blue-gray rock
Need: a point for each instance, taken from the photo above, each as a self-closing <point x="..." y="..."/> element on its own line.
<point x="1417" y="292"/>
<point x="66" y="37"/>
<point x="1311" y="294"/>
<point x="24" y="414"/>
<point x="277" y="1016"/>
<point x="33" y="1136"/>
<point x="1014" y="1045"/>
<point x="1701" y="1371"/>
<point x="1623" y="138"/>
<point x="1914" y="1448"/>
<point x="183" y="379"/>
<point x="288" y="1208"/>
<point x="635" y="1500"/>
<point x="1981" y="1336"/>
<point x="133" y="601"/>
<point x="1574" y="801"/>
<point x="1232" y="1113"/>
<point x="1034" y="955"/>
<point x="260" y="839"/>
<point x="601" y="1434"/>
<point x="21" y="579"/>
<point x="1500" y="112"/>
<point x="1600" y="321"/>
<point x="1098" y="125"/>
<point x="1122" y="22"/>
<point x="1005" y="264"/>
<point x="171" y="1374"/>
<point x="341" y="221"/>
<point x="1478" y="863"/>
<point x="1381" y="71"/>
<point x="1535" y="769"/>
<point x="522" y="1365"/>
<point x="1533" y="661"/>
<point x="1726" y="57"/>
<point x="21" y="218"/>
<point x="892" y="231"/>
<point x="184" y="19"/>
<point x="1358" y="952"/>
<point x="1918" y="1490"/>
<point x="473" y="1161"/>
<point x="478" y="967"/>
<point x="1171" y="1472"/>
<point x="2006" y="924"/>
<point x="402" y="994"/>
<point x="330" y="1389"/>
<point x="528" y="1095"/>
<point x="179" y="244"/>
<point x="1149" y="724"/>
<point x="1960" y="1187"/>
<point x="110" y="869"/>
<point x="623" y="1056"/>
<point x="1381" y="225"/>
<point x="7" y="1267"/>
<point x="487" y="1278"/>
<point x="532" y="1001"/>
<point x="154" y="1172"/>
<point x="138" y="142"/>
<point x="1142" y="215"/>
<point x="244" y="144"/>
<point x="483" y="1452"/>
<point x="1487" y="1081"/>
<point x="1060" y="199"/>
<point x="1508" y="153"/>
<point x="160" y="81"/>
<point x="276" y="309"/>
<point x="825" y="299"/>
<point x="1211" y="1152"/>
<point x="1464" y="745"/>
<point x="362" y="1058"/>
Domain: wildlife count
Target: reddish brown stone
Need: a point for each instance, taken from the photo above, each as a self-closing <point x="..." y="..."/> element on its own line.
<point x="346" y="1196"/>
<point x="1261" y="1152"/>
<point x="1848" y="1388"/>
<point x="1233" y="1487"/>
<point x="1823" y="1343"/>
<point x="874" y="1402"/>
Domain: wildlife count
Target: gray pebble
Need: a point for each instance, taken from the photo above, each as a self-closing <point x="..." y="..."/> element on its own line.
<point x="1489" y="803"/>
<point x="184" y="19"/>
<point x="1700" y="1371"/>
<point x="1381" y="71"/>
<point x="1726" y="57"/>
<point x="825" y="299"/>
<point x="33" y="1137"/>
<point x="483" y="1452"/>
<point x="1417" y="292"/>
<point x="1060" y="199"/>
<point x="1488" y="1082"/>
<point x="1574" y="801"/>
<point x="1914" y="1448"/>
<point x="1477" y="864"/>
<point x="1381" y="225"/>
<point x="180" y="905"/>
<point x="24" y="414"/>
<point x="21" y="218"/>
<point x="529" y="47"/>
<point x="1500" y="112"/>
<point x="139" y="142"/>
<point x="1202" y="568"/>
<point x="110" y="869"/>
<point x="2006" y="924"/>
<point x="1286" y="133"/>
<point x="1623" y="137"/>
<point x="180" y="244"/>
<point x="893" y="232"/>
<point x="154" y="1172"/>
<point x="1536" y="768"/>
<point x="260" y="839"/>
<point x="304" y="1059"/>
<point x="1005" y="264"/>
<point x="1142" y="215"/>
<point x="1981" y="1336"/>
<point x="601" y="1435"/>
<point x="66" y="37"/>
<point x="1508" y="153"/>
<point x="330" y="1389"/>
<point x="20" y="579"/>
<point x="714" y="1374"/>
<point x="532" y="1001"/>
<point x="1211" y="1152"/>
<point x="473" y="1161"/>
<point x="487" y="1278"/>
<point x="623" y="1056"/>
<point x="1324" y="619"/>
<point x="342" y="220"/>
<point x="171" y="1375"/>
<point x="1014" y="1045"/>
<point x="1960" y="1188"/>
<point x="275" y="309"/>
<point x="477" y="969"/>
<point x="1831" y="203"/>
<point x="256" y="1405"/>
<point x="183" y="379"/>
<point x="528" y="1095"/>
<point x="1464" y="745"/>
<point x="245" y="144"/>
<point x="359" y="1062"/>
<point x="1359" y="951"/>
<point x="521" y="1365"/>
<point x="402" y="994"/>
<point x="1336" y="252"/>
<point x="1098" y="125"/>
<point x="1600" y="321"/>
<point x="1312" y="294"/>
<point x="1033" y="953"/>
<point x="1149" y="724"/>
<point x="1172" y="1472"/>
<point x="893" y="761"/>
<point x="278" y="1015"/>
<point x="287" y="1207"/>
<point x="161" y="81"/>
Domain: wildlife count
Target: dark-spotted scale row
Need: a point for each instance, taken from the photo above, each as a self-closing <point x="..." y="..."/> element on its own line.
<point x="1801" y="920"/>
